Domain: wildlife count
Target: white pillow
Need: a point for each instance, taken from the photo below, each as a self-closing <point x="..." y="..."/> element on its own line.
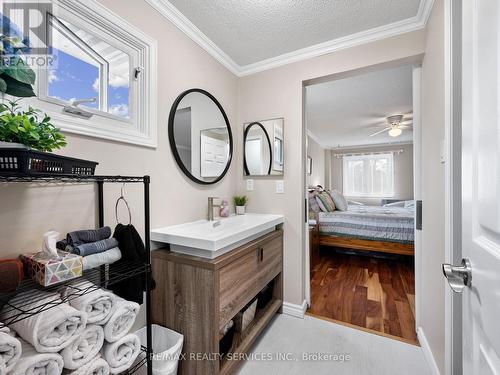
<point x="395" y="204"/>
<point x="339" y="200"/>
<point x="410" y="205"/>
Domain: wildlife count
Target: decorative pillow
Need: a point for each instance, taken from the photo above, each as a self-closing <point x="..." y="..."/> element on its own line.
<point x="410" y="205"/>
<point x="339" y="200"/>
<point x="325" y="202"/>
<point x="395" y="204"/>
<point x="313" y="205"/>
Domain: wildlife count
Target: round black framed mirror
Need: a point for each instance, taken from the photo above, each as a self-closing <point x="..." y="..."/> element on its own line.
<point x="200" y="136"/>
<point x="257" y="152"/>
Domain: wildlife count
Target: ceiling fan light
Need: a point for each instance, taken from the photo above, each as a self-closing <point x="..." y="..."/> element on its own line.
<point x="395" y="132"/>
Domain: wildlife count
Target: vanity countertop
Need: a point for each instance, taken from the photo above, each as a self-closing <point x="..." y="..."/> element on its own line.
<point x="210" y="239"/>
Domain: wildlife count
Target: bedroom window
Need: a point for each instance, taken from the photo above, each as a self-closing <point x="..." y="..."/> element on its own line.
<point x="369" y="175"/>
<point x="103" y="83"/>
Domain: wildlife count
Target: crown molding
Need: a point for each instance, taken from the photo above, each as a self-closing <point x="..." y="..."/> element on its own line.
<point x="169" y="11"/>
<point x="311" y="135"/>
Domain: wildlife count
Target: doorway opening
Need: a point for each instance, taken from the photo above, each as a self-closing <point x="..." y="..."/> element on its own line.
<point x="363" y="187"/>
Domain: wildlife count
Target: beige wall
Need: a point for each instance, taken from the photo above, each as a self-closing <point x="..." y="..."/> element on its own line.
<point x="433" y="187"/>
<point x="317" y="153"/>
<point x="278" y="93"/>
<point x="28" y="210"/>
<point x="403" y="171"/>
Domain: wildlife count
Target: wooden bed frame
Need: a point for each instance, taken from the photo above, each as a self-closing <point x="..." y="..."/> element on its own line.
<point x="365" y="245"/>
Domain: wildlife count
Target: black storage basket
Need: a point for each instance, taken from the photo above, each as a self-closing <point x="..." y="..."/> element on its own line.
<point x="25" y="161"/>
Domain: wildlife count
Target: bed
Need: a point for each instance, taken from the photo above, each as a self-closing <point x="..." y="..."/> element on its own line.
<point x="369" y="228"/>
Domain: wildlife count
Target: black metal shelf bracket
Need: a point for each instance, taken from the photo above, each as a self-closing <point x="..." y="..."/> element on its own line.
<point x="101" y="276"/>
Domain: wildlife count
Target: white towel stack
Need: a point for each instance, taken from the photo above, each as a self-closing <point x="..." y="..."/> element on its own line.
<point x="87" y="326"/>
<point x="98" y="303"/>
<point x="97" y="366"/>
<point x="48" y="331"/>
<point x="122" y="353"/>
<point x="10" y="350"/>
<point x="121" y="319"/>
<point x="116" y="316"/>
<point x="84" y="348"/>
<point x="35" y="363"/>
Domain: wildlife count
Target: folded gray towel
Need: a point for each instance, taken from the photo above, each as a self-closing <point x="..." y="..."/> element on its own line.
<point x="95" y="247"/>
<point x="88" y="235"/>
<point x="106" y="257"/>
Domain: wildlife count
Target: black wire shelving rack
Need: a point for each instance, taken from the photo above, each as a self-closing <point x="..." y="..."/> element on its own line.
<point x="99" y="277"/>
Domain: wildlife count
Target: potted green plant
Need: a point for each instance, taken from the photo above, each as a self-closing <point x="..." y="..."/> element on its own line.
<point x="240" y="201"/>
<point x="30" y="128"/>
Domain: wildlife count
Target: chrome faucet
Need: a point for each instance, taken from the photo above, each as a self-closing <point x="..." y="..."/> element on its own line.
<point x="211" y="207"/>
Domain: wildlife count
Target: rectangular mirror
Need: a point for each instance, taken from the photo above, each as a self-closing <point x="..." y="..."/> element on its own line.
<point x="263" y="148"/>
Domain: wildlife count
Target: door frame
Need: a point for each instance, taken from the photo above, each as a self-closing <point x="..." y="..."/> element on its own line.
<point x="452" y="152"/>
<point x="416" y="61"/>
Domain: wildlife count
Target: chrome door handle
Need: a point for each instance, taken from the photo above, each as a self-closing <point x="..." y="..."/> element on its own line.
<point x="458" y="277"/>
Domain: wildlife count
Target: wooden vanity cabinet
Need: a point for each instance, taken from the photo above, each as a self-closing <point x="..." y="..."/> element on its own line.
<point x="198" y="297"/>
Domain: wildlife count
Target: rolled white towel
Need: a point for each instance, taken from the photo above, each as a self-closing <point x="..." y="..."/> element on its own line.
<point x="121" y="319"/>
<point x="122" y="353"/>
<point x="48" y="331"/>
<point x="10" y="352"/>
<point x="97" y="366"/>
<point x="106" y="257"/>
<point x="4" y="328"/>
<point x="34" y="363"/>
<point x="84" y="348"/>
<point x="98" y="303"/>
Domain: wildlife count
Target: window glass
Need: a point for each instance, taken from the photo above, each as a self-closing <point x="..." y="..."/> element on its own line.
<point x="369" y="175"/>
<point x="89" y="69"/>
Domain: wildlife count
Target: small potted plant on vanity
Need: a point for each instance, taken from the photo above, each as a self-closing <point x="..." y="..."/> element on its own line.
<point x="240" y="202"/>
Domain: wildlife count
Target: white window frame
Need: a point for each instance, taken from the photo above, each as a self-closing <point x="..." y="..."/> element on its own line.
<point x="141" y="127"/>
<point x="347" y="158"/>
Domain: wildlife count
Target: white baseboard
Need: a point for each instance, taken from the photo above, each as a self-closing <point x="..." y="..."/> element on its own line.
<point x="424" y="344"/>
<point x="295" y="310"/>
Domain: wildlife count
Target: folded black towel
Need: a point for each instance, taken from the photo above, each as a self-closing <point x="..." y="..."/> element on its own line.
<point x="61" y="245"/>
<point x="95" y="247"/>
<point x="87" y="236"/>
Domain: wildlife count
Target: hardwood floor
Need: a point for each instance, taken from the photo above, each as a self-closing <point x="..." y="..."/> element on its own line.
<point x="372" y="293"/>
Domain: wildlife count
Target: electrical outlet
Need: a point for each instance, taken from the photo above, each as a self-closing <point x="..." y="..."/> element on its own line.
<point x="250" y="185"/>
<point x="280" y="187"/>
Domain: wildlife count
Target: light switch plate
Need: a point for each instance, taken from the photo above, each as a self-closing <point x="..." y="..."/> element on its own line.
<point x="250" y="185"/>
<point x="280" y="187"/>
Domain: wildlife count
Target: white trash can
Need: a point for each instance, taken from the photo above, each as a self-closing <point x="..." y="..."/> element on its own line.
<point x="167" y="347"/>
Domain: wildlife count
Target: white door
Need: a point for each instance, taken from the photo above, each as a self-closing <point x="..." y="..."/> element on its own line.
<point x="481" y="186"/>
<point x="213" y="154"/>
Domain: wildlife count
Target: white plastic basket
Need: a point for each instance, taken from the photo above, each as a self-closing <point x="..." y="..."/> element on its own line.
<point x="167" y="347"/>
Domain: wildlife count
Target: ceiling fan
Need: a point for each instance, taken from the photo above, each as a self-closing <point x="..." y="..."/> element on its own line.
<point x="396" y="124"/>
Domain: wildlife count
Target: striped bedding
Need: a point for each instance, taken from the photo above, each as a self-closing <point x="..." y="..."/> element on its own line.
<point x="392" y="224"/>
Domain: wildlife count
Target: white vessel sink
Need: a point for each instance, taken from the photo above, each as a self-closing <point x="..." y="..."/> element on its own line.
<point x="210" y="239"/>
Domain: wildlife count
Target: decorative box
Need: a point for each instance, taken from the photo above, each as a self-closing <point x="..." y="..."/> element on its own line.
<point x="49" y="271"/>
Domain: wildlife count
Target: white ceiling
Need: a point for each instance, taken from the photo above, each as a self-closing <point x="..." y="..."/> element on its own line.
<point x="254" y="30"/>
<point x="344" y="112"/>
<point x="248" y="36"/>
